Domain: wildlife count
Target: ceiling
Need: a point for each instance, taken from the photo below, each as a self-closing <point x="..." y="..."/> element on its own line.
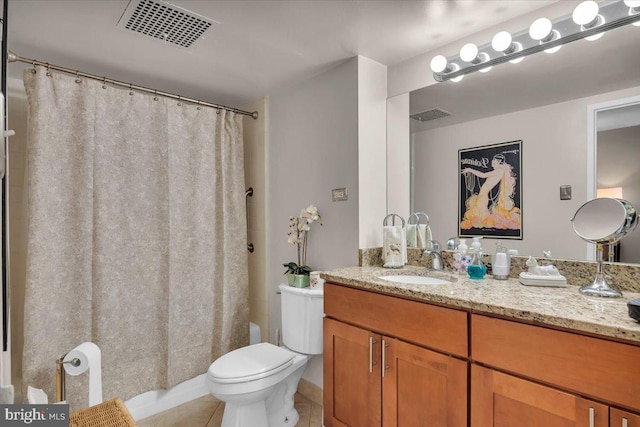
<point x="254" y="48"/>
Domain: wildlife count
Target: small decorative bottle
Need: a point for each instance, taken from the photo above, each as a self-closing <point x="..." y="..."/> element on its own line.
<point x="476" y="270"/>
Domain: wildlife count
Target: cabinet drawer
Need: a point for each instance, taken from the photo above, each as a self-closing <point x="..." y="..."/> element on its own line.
<point x="436" y="327"/>
<point x="621" y="418"/>
<point x="589" y="366"/>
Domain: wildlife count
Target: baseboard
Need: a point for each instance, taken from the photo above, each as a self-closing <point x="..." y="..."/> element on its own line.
<point x="153" y="402"/>
<point x="7" y="395"/>
<point x="310" y="391"/>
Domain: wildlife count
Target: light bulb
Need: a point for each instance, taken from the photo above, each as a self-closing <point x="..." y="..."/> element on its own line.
<point x="597" y="36"/>
<point x="455" y="67"/>
<point x="517" y="60"/>
<point x="594" y="37"/>
<point x="586" y="12"/>
<point x="469" y="52"/>
<point x="540" y="29"/>
<point x="484" y="57"/>
<point x="553" y="49"/>
<point x="634" y="9"/>
<point x="438" y="64"/>
<point x="501" y="41"/>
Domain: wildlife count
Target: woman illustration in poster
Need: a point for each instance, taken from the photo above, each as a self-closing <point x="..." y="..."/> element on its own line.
<point x="499" y="210"/>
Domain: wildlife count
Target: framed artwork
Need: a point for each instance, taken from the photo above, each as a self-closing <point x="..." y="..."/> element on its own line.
<point x="490" y="191"/>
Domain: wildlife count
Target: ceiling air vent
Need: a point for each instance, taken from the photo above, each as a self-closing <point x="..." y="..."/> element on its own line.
<point x="165" y="22"/>
<point x="428" y="115"/>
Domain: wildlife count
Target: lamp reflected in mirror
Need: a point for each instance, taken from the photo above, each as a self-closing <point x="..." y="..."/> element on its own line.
<point x="611" y="192"/>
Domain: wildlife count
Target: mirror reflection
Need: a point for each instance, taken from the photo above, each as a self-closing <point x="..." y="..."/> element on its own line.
<point x="542" y="101"/>
<point x="604" y="221"/>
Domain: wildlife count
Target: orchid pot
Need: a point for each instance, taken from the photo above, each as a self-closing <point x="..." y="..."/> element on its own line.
<point x="299" y="280"/>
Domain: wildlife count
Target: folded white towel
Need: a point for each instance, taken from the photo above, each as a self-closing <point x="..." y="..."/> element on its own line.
<point x="423" y="235"/>
<point x="412" y="236"/>
<point x="393" y="246"/>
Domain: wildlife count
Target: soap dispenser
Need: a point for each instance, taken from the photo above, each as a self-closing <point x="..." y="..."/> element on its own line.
<point x="476" y="270"/>
<point x="462" y="246"/>
<point x="475" y="244"/>
<point x="501" y="262"/>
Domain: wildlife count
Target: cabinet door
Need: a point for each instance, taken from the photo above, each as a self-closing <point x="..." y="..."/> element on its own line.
<point x="352" y="386"/>
<point x="421" y="387"/>
<point x="501" y="400"/>
<point x="621" y="418"/>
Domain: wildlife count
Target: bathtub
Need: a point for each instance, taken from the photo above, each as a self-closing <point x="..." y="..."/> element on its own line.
<point x="153" y="402"/>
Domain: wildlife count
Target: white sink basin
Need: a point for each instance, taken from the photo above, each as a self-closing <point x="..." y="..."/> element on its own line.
<point x="416" y="280"/>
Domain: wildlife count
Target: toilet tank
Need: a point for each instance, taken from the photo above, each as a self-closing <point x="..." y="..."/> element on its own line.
<point x="302" y="313"/>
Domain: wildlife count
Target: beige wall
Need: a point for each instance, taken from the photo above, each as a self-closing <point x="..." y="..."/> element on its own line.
<point x="398" y="151"/>
<point x="554" y="153"/>
<point x="372" y="151"/>
<point x="313" y="148"/>
<point x="255" y="172"/>
<point x="619" y="166"/>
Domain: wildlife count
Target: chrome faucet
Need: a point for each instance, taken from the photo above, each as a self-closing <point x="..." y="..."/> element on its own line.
<point x="433" y="250"/>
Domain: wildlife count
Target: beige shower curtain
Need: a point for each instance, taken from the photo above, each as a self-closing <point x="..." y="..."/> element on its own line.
<point x="137" y="235"/>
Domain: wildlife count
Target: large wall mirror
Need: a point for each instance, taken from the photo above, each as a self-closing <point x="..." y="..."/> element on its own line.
<point x="543" y="101"/>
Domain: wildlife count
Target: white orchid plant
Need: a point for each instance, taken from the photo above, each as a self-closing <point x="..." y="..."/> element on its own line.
<point x="298" y="235"/>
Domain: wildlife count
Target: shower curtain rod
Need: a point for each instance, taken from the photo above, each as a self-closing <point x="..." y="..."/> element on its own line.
<point x="12" y="57"/>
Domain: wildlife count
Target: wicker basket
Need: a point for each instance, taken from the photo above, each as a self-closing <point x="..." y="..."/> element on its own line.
<point x="111" y="413"/>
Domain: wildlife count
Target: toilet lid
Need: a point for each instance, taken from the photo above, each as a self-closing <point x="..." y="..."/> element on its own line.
<point x="251" y="363"/>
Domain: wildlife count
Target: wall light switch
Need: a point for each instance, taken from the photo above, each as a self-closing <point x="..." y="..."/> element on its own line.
<point x="339" y="194"/>
<point x="565" y="192"/>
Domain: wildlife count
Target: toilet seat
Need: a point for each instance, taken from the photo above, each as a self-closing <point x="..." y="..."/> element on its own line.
<point x="250" y="363"/>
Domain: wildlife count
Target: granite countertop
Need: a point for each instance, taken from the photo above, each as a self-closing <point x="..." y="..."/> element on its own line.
<point x="563" y="307"/>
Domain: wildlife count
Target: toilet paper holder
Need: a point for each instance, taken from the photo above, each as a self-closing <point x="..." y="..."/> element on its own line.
<point x="61" y="393"/>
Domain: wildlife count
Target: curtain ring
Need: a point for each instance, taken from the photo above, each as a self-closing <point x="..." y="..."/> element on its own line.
<point x="199" y="105"/>
<point x="78" y="79"/>
<point x="179" y="99"/>
<point x="104" y="83"/>
<point x="130" y="89"/>
<point x="48" y="74"/>
<point x="218" y="111"/>
<point x="155" y="95"/>
<point x="33" y="70"/>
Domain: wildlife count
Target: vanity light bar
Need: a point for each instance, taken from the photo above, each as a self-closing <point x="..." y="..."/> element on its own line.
<point x="612" y="14"/>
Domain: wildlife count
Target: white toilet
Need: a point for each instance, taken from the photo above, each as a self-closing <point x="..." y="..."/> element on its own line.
<point x="258" y="382"/>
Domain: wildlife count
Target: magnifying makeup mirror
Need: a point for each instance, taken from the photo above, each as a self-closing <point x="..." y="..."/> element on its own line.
<point x="603" y="221"/>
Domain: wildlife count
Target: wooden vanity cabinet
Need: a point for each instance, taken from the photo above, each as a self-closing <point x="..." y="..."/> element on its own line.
<point x="352" y="386"/>
<point x="502" y="400"/>
<point x="422" y="387"/>
<point x="620" y="418"/>
<point x="373" y="375"/>
<point x="391" y="361"/>
<point x="596" y="368"/>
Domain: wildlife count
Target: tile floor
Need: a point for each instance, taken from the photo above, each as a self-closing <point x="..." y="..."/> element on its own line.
<point x="207" y="412"/>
